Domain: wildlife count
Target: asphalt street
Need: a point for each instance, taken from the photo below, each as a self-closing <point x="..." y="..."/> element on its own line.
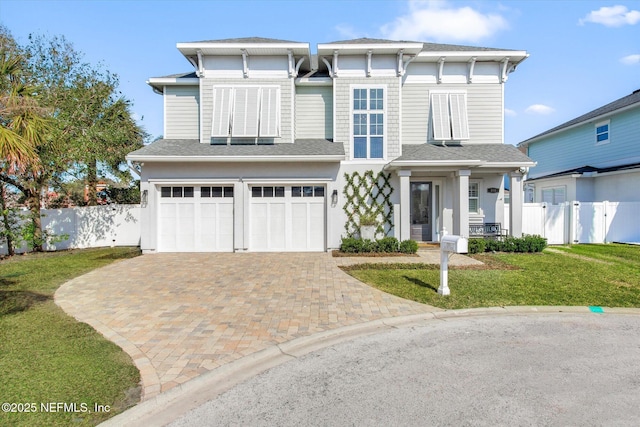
<point x="528" y="369"/>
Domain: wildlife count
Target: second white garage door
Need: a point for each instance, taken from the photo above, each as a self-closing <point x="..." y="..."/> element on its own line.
<point x="287" y="218"/>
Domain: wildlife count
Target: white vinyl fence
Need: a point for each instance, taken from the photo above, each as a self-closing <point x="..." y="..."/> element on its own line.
<point x="582" y="222"/>
<point x="90" y="227"/>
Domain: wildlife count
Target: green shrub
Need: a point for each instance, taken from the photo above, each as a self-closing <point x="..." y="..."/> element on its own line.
<point x="477" y="245"/>
<point x="370" y="246"/>
<point x="492" y="245"/>
<point x="523" y="244"/>
<point x="408" y="246"/>
<point x="534" y="243"/>
<point x="388" y="244"/>
<point x="351" y="245"/>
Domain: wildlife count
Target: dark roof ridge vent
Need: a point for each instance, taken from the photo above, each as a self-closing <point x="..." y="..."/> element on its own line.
<point x="635" y="91"/>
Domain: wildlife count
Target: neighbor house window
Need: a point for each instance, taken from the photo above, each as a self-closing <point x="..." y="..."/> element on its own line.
<point x="554" y="195"/>
<point x="246" y="112"/>
<point x="474" y="197"/>
<point x="449" y="119"/>
<point x="602" y="132"/>
<point x="368" y="122"/>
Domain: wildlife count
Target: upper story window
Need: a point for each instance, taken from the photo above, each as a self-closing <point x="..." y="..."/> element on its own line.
<point x="602" y="132"/>
<point x="246" y="112"/>
<point x="449" y="119"/>
<point x="368" y="110"/>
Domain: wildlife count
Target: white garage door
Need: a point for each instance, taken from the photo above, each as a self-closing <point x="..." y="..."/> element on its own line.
<point x="287" y="218"/>
<point x="195" y="219"/>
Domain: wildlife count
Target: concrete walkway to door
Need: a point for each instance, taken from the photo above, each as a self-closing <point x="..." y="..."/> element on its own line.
<point x="182" y="315"/>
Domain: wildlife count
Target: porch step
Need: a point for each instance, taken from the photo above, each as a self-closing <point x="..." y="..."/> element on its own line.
<point x="428" y="245"/>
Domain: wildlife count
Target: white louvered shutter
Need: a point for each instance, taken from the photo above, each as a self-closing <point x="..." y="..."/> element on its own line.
<point x="270" y="112"/>
<point x="440" y="117"/>
<point x="221" y="120"/>
<point x="246" y="107"/>
<point x="459" y="120"/>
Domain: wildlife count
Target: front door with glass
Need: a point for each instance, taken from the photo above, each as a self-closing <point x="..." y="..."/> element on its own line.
<point x="421" y="215"/>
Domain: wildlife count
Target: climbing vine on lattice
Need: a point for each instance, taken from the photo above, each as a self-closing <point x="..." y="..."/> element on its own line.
<point x="368" y="195"/>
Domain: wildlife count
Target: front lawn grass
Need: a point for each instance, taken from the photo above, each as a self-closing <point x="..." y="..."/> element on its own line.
<point x="47" y="356"/>
<point x="596" y="275"/>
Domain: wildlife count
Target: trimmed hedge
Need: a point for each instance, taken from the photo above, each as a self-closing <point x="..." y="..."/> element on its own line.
<point x="387" y="244"/>
<point x="409" y="247"/>
<point x="523" y="244"/>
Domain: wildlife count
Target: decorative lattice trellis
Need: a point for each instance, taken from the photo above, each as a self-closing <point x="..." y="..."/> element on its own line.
<point x="368" y="195"/>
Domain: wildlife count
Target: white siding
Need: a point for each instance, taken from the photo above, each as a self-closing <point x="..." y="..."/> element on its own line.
<point x="484" y="108"/>
<point x="314" y="112"/>
<point x="286" y="119"/>
<point x="182" y="112"/>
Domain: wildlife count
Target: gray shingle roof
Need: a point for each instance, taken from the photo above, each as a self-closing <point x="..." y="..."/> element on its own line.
<point x="193" y="148"/>
<point x="438" y="47"/>
<point x="625" y="101"/>
<point x="434" y="47"/>
<point x="187" y="75"/>
<point x="246" y="40"/>
<point x="495" y="153"/>
<point x="587" y="169"/>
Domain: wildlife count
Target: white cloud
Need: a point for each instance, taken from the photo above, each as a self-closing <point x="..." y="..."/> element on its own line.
<point x="347" y="32"/>
<point x="539" y="109"/>
<point x="614" y="16"/>
<point x="631" y="59"/>
<point x="439" y="21"/>
<point x="508" y="112"/>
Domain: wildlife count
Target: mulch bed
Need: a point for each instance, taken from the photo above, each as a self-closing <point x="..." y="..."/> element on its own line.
<point x="338" y="254"/>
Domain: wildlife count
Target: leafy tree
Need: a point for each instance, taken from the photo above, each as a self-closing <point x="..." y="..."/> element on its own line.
<point x="24" y="130"/>
<point x="91" y="126"/>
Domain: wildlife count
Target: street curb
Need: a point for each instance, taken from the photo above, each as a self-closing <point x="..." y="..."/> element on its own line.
<point x="170" y="405"/>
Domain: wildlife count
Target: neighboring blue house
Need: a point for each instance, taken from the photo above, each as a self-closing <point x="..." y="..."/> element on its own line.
<point x="592" y="158"/>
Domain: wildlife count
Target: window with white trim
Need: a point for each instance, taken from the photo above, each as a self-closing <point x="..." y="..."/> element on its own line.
<point x="246" y="112"/>
<point x="449" y="120"/>
<point x="368" y="111"/>
<point x="474" y="197"/>
<point x="602" y="132"/>
<point x="554" y="195"/>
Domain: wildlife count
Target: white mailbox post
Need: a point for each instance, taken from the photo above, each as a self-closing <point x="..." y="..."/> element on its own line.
<point x="449" y="245"/>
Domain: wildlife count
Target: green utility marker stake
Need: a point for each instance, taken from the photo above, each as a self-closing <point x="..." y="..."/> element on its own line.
<point x="596" y="309"/>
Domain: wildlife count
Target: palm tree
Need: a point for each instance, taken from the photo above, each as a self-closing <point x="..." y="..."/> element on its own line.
<point x="22" y="122"/>
<point x="23" y="129"/>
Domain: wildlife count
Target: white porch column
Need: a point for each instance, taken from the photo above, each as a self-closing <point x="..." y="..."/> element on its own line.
<point x="515" y="206"/>
<point x="461" y="203"/>
<point x="405" y="205"/>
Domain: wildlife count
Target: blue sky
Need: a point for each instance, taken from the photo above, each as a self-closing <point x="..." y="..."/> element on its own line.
<point x="583" y="54"/>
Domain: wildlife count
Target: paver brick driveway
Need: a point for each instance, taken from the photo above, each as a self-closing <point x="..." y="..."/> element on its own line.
<point x="181" y="315"/>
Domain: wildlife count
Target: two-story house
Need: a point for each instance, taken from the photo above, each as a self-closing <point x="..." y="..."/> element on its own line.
<point x="592" y="158"/>
<point x="266" y="145"/>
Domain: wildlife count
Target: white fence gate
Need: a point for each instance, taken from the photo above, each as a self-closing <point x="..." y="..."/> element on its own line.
<point x="90" y="227"/>
<point x="582" y="222"/>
